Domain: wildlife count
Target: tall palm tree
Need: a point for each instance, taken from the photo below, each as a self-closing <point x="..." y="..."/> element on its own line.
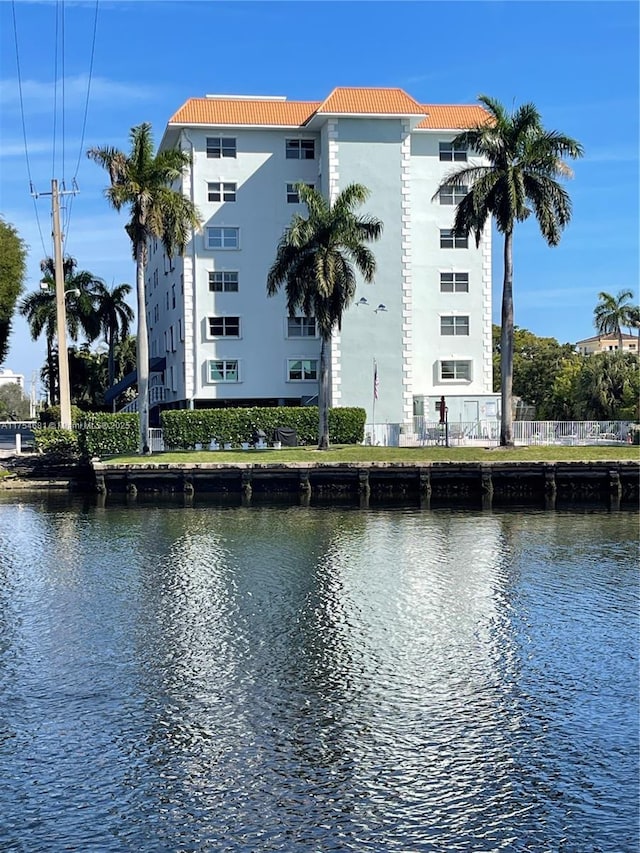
<point x="39" y="309"/>
<point x="142" y="182"/>
<point x="613" y="312"/>
<point x="115" y="316"/>
<point x="315" y="261"/>
<point x="523" y="165"/>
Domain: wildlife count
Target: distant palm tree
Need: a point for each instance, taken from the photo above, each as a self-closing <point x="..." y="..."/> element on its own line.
<point x="633" y="318"/>
<point x="315" y="261"/>
<point x="142" y="182"/>
<point x="523" y="162"/>
<point x="39" y="309"/>
<point x="613" y="312"/>
<point x="115" y="316"/>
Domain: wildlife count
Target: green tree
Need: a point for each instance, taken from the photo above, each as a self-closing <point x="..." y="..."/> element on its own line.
<point x="39" y="309"/>
<point x="563" y="402"/>
<point x="87" y="377"/>
<point x="115" y="316"/>
<point x="536" y="363"/>
<point x="14" y="405"/>
<point x="142" y="182"/>
<point x="13" y="265"/>
<point x="613" y="312"/>
<point x="608" y="387"/>
<point x="315" y="262"/>
<point x="523" y="164"/>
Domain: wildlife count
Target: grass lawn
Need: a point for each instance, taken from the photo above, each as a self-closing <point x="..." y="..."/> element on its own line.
<point x="360" y="453"/>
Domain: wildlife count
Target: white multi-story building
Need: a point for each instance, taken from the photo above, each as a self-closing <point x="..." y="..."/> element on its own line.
<point x="426" y="319"/>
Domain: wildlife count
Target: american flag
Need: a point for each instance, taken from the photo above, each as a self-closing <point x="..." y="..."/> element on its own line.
<point x="375" y="380"/>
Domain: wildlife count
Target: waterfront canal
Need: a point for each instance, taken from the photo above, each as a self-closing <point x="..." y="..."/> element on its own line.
<point x="213" y="678"/>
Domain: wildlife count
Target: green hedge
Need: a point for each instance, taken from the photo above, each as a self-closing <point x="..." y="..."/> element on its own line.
<point x="57" y="444"/>
<point x="95" y="434"/>
<point x="188" y="427"/>
<point x="102" y="434"/>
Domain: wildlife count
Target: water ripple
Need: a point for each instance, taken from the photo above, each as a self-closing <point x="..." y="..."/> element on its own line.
<point x="210" y="679"/>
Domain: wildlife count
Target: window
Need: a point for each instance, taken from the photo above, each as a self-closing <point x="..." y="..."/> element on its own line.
<point x="292" y="193"/>
<point x="223" y="282"/>
<point x="300" y="149"/>
<point x="221" y="192"/>
<point x="301" y="327"/>
<point x="450" y="151"/>
<point x="452" y="195"/>
<point x="173" y="296"/>
<point x="225" y="370"/>
<point x="454" y="282"/>
<point x="454" y="325"/>
<point x="455" y="370"/>
<point x="220" y="146"/>
<point x="224" y="327"/>
<point x="302" y="369"/>
<point x="223" y="238"/>
<point x="449" y="239"/>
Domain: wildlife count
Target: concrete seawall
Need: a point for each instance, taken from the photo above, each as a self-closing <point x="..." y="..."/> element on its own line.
<point x="543" y="484"/>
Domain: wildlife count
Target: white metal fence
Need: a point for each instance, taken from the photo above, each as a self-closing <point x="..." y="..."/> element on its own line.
<point x="486" y="433"/>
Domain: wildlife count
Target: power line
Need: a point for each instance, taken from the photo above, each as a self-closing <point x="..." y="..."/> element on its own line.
<point x="24" y="127"/>
<point x="84" y="119"/>
<point x="55" y="92"/>
<point x="63" y="83"/>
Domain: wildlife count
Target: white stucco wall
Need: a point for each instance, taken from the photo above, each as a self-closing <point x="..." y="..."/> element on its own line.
<point x="429" y="260"/>
<point x="401" y="168"/>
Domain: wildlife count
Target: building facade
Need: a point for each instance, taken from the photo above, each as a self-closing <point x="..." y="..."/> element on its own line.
<point x="607" y="343"/>
<point x="423" y="327"/>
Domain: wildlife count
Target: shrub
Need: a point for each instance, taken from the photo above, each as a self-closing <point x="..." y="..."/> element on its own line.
<point x="57" y="444"/>
<point x="51" y="415"/>
<point x="187" y="427"/>
<point x="102" y="434"/>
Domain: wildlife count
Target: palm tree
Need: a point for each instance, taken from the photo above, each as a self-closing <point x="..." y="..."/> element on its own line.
<point x="39" y="309"/>
<point x="115" y="316"/>
<point x="523" y="163"/>
<point x="143" y="183"/>
<point x="315" y="261"/>
<point x="613" y="312"/>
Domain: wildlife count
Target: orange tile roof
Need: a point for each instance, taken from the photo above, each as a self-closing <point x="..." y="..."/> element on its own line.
<point x="369" y="101"/>
<point x="351" y="101"/>
<point x="234" y="111"/>
<point x="452" y="116"/>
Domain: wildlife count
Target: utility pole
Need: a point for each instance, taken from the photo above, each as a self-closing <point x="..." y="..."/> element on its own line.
<point x="61" y="312"/>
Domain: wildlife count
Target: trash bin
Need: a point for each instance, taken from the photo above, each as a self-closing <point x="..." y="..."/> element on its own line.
<point x="286" y="436"/>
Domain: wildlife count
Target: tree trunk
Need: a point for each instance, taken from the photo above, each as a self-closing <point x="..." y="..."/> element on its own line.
<point x="111" y="364"/>
<point x="323" y="399"/>
<point x="142" y="355"/>
<point x="506" y="346"/>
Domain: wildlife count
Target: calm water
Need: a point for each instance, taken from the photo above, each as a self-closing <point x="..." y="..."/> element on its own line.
<point x="211" y="679"/>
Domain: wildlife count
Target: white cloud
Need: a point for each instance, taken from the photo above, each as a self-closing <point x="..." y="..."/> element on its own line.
<point x="16" y="148"/>
<point x="37" y="95"/>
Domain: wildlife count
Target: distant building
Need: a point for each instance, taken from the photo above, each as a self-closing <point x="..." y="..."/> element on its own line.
<point x="8" y="377"/>
<point x="607" y="343"/>
<point x="426" y="320"/>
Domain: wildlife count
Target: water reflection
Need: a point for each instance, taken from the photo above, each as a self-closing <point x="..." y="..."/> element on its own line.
<point x="209" y="678"/>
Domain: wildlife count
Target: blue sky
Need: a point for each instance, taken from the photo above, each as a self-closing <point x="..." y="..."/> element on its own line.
<point x="577" y="61"/>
